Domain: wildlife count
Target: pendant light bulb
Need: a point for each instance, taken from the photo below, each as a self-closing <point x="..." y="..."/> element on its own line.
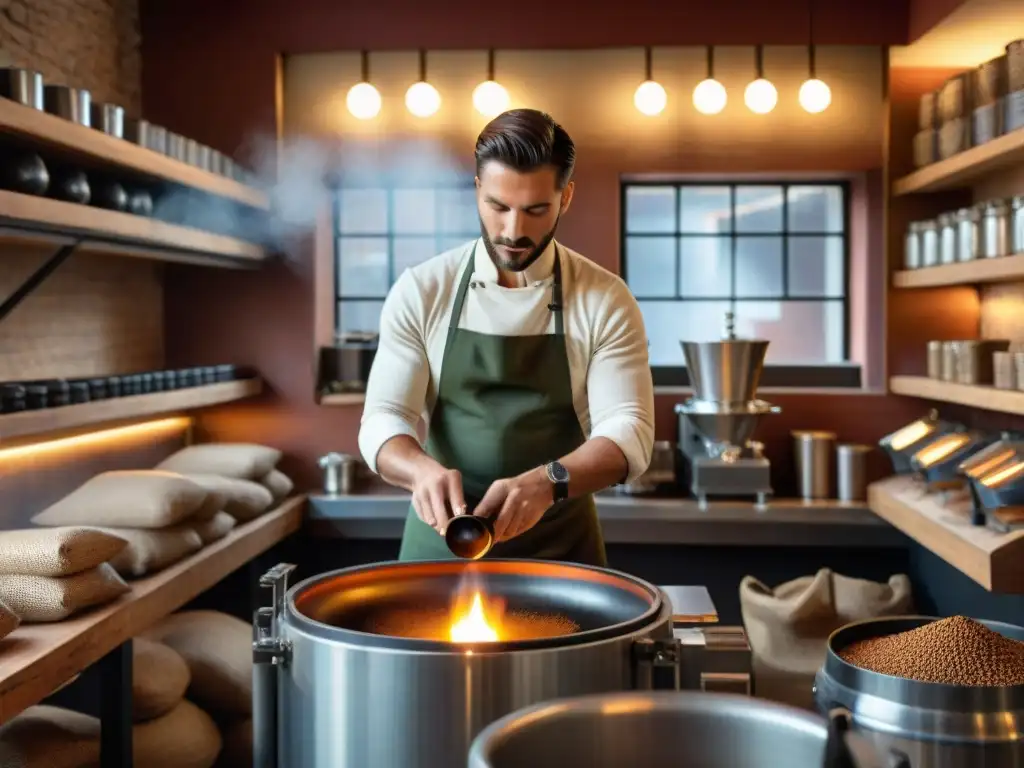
<point x="761" y="96"/>
<point x="650" y="98"/>
<point x="422" y="99"/>
<point x="363" y="101"/>
<point x="490" y="98"/>
<point x="709" y="97"/>
<point x="815" y="95"/>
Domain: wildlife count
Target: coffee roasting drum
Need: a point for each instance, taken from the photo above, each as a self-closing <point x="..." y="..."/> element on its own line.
<point x="369" y="667"/>
<point x="944" y="693"/>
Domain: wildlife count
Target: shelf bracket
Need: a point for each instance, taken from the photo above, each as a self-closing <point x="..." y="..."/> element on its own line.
<point x="36" y="278"/>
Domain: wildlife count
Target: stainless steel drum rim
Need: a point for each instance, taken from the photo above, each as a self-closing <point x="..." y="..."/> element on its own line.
<point x="646" y="596"/>
<point x="723" y="408"/>
<point x="919" y="710"/>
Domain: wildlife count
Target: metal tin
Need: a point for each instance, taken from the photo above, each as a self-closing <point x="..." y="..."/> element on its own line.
<point x="974" y="360"/>
<point x="1003" y="373"/>
<point x="929" y="243"/>
<point x="70" y="103"/>
<point x="935" y="359"/>
<point x="968" y="229"/>
<point x="191" y="151"/>
<point x="912" y="246"/>
<point x="108" y="118"/>
<point x="947" y="238"/>
<point x="157" y="139"/>
<point x="23" y="86"/>
<point x="176" y="146"/>
<point x="950" y="351"/>
<point x="1017" y="225"/>
<point x="996" y="229"/>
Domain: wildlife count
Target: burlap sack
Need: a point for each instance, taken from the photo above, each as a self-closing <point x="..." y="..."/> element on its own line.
<point x="217" y="528"/>
<point x="160" y="678"/>
<point x="53" y="598"/>
<point x="788" y="627"/>
<point x="50" y="737"/>
<point x="215" y="502"/>
<point x="151" y="551"/>
<point x="9" y="622"/>
<point x="186" y="737"/>
<point x="278" y="483"/>
<point x="237" y="751"/>
<point x="218" y="649"/>
<point x="243" y="499"/>
<point x="243" y="460"/>
<point x="55" y="551"/>
<point x="127" y="499"/>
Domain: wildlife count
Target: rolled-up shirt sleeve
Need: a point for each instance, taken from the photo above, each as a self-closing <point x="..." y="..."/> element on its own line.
<point x="397" y="387"/>
<point x="620" y="389"/>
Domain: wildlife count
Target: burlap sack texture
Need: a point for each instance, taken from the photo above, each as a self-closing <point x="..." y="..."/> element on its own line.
<point x="218" y="650"/>
<point x="131" y="499"/>
<point x="244" y="500"/>
<point x="215" y="529"/>
<point x="278" y="483"/>
<point x="788" y="626"/>
<point x="160" y="677"/>
<point x="237" y="750"/>
<point x="150" y="551"/>
<point x="51" y="737"/>
<point x="61" y="551"/>
<point x="54" y="598"/>
<point x="246" y="461"/>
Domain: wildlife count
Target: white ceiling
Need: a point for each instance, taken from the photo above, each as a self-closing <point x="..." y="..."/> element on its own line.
<point x="974" y="33"/>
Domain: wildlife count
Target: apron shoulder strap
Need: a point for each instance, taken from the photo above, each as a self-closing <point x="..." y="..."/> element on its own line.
<point x="460" y="296"/>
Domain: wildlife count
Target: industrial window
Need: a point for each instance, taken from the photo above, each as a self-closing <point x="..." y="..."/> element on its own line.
<point x="776" y="254"/>
<point x="378" y="233"/>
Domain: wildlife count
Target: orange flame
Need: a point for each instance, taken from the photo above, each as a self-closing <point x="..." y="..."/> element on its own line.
<point x="475" y="624"/>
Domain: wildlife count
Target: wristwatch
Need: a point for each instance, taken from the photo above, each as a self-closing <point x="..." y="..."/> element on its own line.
<point x="559" y="477"/>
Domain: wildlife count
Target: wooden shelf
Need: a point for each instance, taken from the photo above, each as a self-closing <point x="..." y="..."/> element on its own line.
<point x="91" y="144"/>
<point x="973" y="395"/>
<point x="992" y="559"/>
<point x="36" y="659"/>
<point x="29" y="218"/>
<point x="117" y="409"/>
<point x="1003" y="269"/>
<point x="966" y="166"/>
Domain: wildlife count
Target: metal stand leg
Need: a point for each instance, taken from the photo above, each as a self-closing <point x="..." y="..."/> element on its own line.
<point x="115" y="676"/>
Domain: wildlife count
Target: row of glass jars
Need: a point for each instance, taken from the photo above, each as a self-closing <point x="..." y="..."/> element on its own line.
<point x="983" y="231"/>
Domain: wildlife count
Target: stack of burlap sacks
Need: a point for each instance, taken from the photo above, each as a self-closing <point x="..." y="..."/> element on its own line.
<point x="788" y="627"/>
<point x="191" y="699"/>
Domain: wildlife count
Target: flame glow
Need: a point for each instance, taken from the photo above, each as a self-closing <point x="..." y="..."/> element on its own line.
<point x="473" y="626"/>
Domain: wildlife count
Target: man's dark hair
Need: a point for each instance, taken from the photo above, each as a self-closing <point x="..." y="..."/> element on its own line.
<point x="525" y="140"/>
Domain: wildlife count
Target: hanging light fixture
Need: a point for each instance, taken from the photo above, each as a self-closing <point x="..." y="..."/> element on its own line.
<point x="363" y="100"/>
<point x="760" y="96"/>
<point x="422" y="99"/>
<point x="650" y="98"/>
<point x="815" y="95"/>
<point x="490" y="97"/>
<point x="709" y="97"/>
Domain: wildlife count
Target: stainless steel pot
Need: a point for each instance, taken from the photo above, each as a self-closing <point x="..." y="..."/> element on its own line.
<point x="331" y="688"/>
<point x="658" y="730"/>
<point x="934" y="725"/>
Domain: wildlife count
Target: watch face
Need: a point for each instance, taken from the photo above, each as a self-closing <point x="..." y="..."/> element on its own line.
<point x="558" y="473"/>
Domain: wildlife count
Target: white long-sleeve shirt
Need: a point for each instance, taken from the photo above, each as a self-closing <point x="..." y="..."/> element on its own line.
<point x="612" y="389"/>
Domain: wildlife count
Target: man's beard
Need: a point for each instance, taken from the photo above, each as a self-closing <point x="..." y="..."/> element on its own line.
<point x="524" y="260"/>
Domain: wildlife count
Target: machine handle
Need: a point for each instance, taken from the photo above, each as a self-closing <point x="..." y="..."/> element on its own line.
<point x="270" y="652"/>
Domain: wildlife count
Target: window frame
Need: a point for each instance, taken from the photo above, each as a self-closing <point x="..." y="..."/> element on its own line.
<point x="388" y="234"/>
<point x="845" y="375"/>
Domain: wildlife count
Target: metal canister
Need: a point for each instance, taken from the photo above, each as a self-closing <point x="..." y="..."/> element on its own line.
<point x="1017" y="225"/>
<point x="1018" y="369"/>
<point x="1003" y="373"/>
<point x="935" y="359"/>
<point x="813" y="449"/>
<point x="929" y="243"/>
<point x="852" y="472"/>
<point x="950" y="352"/>
<point x="968" y="230"/>
<point x="996" y="229"/>
<point x="912" y="246"/>
<point x="947" y="238"/>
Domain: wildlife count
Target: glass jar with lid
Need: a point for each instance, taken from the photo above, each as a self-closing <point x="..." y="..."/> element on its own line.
<point x="947" y="238"/>
<point x="996" y="229"/>
<point x="968" y="233"/>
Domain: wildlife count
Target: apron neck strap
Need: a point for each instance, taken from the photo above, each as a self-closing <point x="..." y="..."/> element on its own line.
<point x="467" y="277"/>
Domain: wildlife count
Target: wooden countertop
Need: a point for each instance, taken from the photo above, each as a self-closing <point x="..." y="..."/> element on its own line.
<point x="36" y="659"/>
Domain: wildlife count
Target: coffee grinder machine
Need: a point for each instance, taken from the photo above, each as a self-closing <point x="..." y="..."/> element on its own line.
<point x="716" y="425"/>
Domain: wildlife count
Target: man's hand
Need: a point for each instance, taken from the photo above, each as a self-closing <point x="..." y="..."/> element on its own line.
<point x="516" y="504"/>
<point x="437" y="495"/>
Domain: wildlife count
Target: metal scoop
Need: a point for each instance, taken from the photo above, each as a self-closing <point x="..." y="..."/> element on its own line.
<point x="469" y="536"/>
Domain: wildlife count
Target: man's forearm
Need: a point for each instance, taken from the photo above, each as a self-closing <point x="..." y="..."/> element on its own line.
<point x="401" y="459"/>
<point x="594" y="466"/>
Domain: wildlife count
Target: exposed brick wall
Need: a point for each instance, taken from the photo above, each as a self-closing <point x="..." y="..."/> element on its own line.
<point x="95" y="315"/>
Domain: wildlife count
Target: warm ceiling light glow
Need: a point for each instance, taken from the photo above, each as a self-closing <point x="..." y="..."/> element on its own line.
<point x="709" y="97"/>
<point x="650" y="98"/>
<point x="490" y="98"/>
<point x="761" y="96"/>
<point x="363" y="101"/>
<point x="422" y="99"/>
<point x="815" y="95"/>
<point x="100" y="437"/>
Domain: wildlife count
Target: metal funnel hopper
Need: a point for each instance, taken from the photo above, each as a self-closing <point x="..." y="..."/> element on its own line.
<point x="725" y="371"/>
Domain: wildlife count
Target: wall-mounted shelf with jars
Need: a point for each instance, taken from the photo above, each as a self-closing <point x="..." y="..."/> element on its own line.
<point x="997" y="270"/>
<point x="972" y="395"/>
<point x="967" y="166"/>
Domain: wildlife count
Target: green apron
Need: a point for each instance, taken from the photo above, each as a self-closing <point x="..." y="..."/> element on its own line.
<point x="504" y="406"/>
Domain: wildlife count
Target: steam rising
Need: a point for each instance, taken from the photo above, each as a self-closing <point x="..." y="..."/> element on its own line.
<point x="299" y="174"/>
